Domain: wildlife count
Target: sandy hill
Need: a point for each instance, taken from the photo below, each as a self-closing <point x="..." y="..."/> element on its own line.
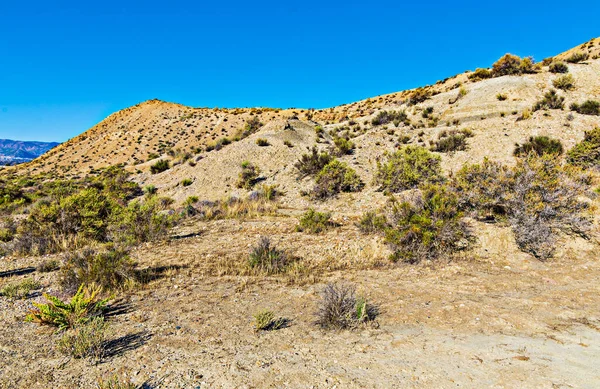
<point x="492" y="316"/>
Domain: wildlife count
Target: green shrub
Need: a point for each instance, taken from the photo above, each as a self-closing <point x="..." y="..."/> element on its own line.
<point x="20" y="290"/>
<point x="551" y="100"/>
<point x="110" y="269"/>
<point x="313" y="163"/>
<point x="586" y="154"/>
<point x="408" y="168"/>
<point x="262" y="142"/>
<point x="336" y="177"/>
<point x="558" y="67"/>
<point x="314" y="222"/>
<point x="248" y="176"/>
<point x="85" y="341"/>
<point x="267" y="258"/>
<point x="265" y="320"/>
<point x="565" y="82"/>
<point x="150" y="190"/>
<point x="186" y="182"/>
<point x="116" y="383"/>
<point x="577" y="57"/>
<point x="343" y="146"/>
<point x="141" y="222"/>
<point x="340" y="308"/>
<point x="84" y="306"/>
<point x="370" y="222"/>
<point x="539" y="145"/>
<point x="425" y="225"/>
<point x="419" y="95"/>
<point x="589" y="107"/>
<point x="513" y="65"/>
<point x="160" y="166"/>
<point x="501" y="96"/>
<point x="453" y="140"/>
<point x="48" y="266"/>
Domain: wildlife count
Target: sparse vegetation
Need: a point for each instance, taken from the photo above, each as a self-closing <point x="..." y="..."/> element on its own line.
<point x="264" y="320"/>
<point x="314" y="222"/>
<point x="480" y="74"/>
<point x="340" y="308"/>
<point x="160" y="166"/>
<point x="577" y="57"/>
<point x="539" y="145"/>
<point x="186" y="182"/>
<point x="586" y="154"/>
<point x="408" y="168"/>
<point x="551" y="100"/>
<point x="262" y="142"/>
<point x="248" y="176"/>
<point x="589" y="107"/>
<point x="453" y="140"/>
<point x="85" y="340"/>
<point x="343" y="146"/>
<point x="513" y="65"/>
<point x="385" y="117"/>
<point x="266" y="258"/>
<point x="501" y="96"/>
<point x="20" y="290"/>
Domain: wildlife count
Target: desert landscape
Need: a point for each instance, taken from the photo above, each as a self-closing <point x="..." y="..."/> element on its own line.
<point x="439" y="237"/>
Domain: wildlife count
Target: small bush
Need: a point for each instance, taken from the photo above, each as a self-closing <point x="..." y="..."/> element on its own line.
<point x="577" y="57"/>
<point x="115" y="383"/>
<point x="589" y="107"/>
<point x="334" y="178"/>
<point x="370" y="222"/>
<point x="418" y="96"/>
<point x="425" y="225"/>
<point x="248" y="176"/>
<point x="265" y="321"/>
<point x="501" y="96"/>
<point x="539" y="145"/>
<point x="551" y="100"/>
<point x="565" y="82"/>
<point x="84" y="306"/>
<point x="385" y="117"/>
<point x="85" y="341"/>
<point x="450" y="141"/>
<point x="186" y="182"/>
<point x="141" y="222"/>
<point x="288" y="144"/>
<point x="507" y="65"/>
<point x="586" y="154"/>
<point x="160" y="166"/>
<point x="340" y="308"/>
<point x="262" y="142"/>
<point x="252" y="126"/>
<point x="480" y="74"/>
<point x="408" y="168"/>
<point x="343" y="146"/>
<point x="558" y="67"/>
<point x="110" y="269"/>
<point x="20" y="290"/>
<point x="150" y="190"/>
<point x="314" y="222"/>
<point x="48" y="266"/>
<point x="313" y="163"/>
<point x="267" y="258"/>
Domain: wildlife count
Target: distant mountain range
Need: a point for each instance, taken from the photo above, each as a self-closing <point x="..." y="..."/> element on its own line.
<point x="14" y="151"/>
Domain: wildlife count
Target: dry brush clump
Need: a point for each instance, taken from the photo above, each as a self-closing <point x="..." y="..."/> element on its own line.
<point x="538" y="198"/>
<point x="315" y="222"/>
<point x="539" y="145"/>
<point x="453" y="140"/>
<point x="268" y="259"/>
<point x="340" y="308"/>
<point x="311" y="164"/>
<point x="551" y="100"/>
<point x="335" y="177"/>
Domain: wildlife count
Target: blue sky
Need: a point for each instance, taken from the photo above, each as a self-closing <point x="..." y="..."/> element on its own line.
<point x="66" y="65"/>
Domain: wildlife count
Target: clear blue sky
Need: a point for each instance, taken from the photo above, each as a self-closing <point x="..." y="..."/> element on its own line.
<point x="64" y="66"/>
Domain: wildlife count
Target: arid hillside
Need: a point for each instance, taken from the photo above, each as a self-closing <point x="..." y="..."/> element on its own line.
<point x="441" y="237"/>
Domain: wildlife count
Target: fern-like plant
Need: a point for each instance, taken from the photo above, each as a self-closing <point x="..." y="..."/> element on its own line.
<point x="84" y="306"/>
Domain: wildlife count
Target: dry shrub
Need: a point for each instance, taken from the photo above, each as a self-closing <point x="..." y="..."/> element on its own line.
<point x="551" y="100"/>
<point x="267" y="259"/>
<point x="586" y="154"/>
<point x="314" y="222"/>
<point x="85" y="341"/>
<point x="538" y="197"/>
<point x="340" y="308"/>
<point x="248" y="176"/>
<point x="311" y="164"/>
<point x="539" y="145"/>
<point x="334" y="178"/>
